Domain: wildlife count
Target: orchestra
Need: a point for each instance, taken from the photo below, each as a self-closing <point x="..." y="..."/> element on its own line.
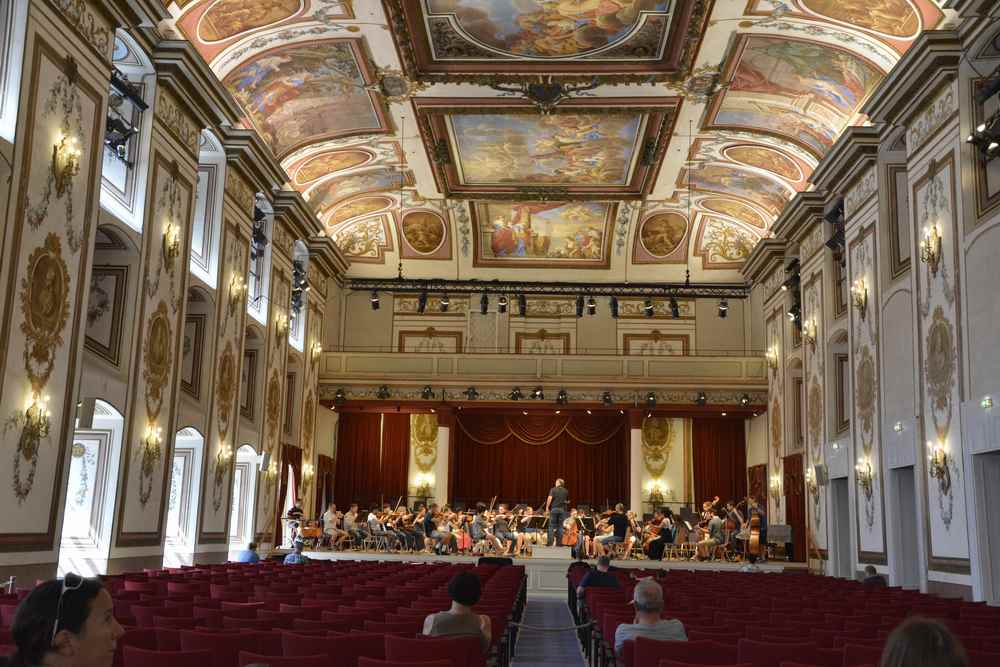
<point x="734" y="531"/>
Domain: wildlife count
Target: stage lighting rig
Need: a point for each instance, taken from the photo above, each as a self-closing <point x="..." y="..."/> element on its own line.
<point x="986" y="136"/>
<point x="562" y="398"/>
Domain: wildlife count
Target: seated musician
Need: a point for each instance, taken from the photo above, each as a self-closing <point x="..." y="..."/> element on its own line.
<point x="585" y="544"/>
<point x="761" y="513"/>
<point x="664" y="535"/>
<point x="378" y="529"/>
<point x="525" y="535"/>
<point x="713" y="538"/>
<point x="502" y="529"/>
<point x="735" y="525"/>
<point x="481" y="535"/>
<point x="648" y="600"/>
<point x="353" y="526"/>
<point x="409" y="537"/>
<point x="331" y="527"/>
<point x="294" y="517"/>
<point x="635" y="527"/>
<point x="619" y="525"/>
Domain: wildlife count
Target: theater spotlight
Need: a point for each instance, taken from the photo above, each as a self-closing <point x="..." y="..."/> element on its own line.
<point x="614" y="307"/>
<point x="701" y="398"/>
<point x="422" y="302"/>
<point x="484" y="303"/>
<point x="502" y="304"/>
<point x="515" y="394"/>
<point x="538" y="394"/>
<point x="445" y="302"/>
<point x="340" y="396"/>
<point x="374" y="300"/>
<point x="723" y="308"/>
<point x="986" y="137"/>
<point x="562" y="398"/>
<point x="745" y="400"/>
<point x="607" y="398"/>
<point x="471" y="393"/>
<point x="651" y="399"/>
<point x="675" y="310"/>
<point x="427" y="393"/>
<point x="579" y="305"/>
<point x="522" y="305"/>
<point x="382" y="393"/>
<point x="648" y="307"/>
<point x="591" y="306"/>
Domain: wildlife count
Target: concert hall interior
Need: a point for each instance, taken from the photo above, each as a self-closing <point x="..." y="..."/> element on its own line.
<point x="724" y="270"/>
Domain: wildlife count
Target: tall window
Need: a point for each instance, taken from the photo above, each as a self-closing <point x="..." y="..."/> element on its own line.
<point x="207" y="227"/>
<point x="13" y="18"/>
<point x="258" y="277"/>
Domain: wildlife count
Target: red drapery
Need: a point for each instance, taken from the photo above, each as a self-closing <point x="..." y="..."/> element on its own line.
<point x="517" y="458"/>
<point x="395" y="456"/>
<point x="372" y="458"/>
<point x="720" y="458"/>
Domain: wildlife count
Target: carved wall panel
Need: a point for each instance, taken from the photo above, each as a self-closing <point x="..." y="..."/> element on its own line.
<point x="814" y="350"/>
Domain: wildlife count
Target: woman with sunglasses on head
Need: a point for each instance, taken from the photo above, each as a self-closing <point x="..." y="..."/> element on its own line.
<point x="66" y="622"/>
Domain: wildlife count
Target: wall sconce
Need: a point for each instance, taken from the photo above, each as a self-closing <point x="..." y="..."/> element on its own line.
<point x="36" y="416"/>
<point x="986" y="403"/>
<point x="153" y="438"/>
<point x="281" y="325"/>
<point x="657" y="491"/>
<point x="316" y="350"/>
<point x="272" y="470"/>
<point x="308" y="472"/>
<point x="775" y="488"/>
<point x="898" y="427"/>
<point x="171" y="241"/>
<point x="859" y="296"/>
<point x="811" y="486"/>
<point x="930" y="248"/>
<point x="772" y="357"/>
<point x="237" y="291"/>
<point x="225" y="453"/>
<point x="938" y="464"/>
<point x="423" y="485"/>
<point x="866" y="475"/>
<point x="809" y="332"/>
<point x="65" y="162"/>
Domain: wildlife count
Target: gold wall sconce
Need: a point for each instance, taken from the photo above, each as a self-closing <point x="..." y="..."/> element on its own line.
<point x="772" y="358"/>
<point x="316" y="350"/>
<point x="237" y="292"/>
<point x="859" y="297"/>
<point x="65" y="162"/>
<point x="171" y="241"/>
<point x="37" y="416"/>
<point x="930" y="248"/>
<point x="939" y="465"/>
<point x="281" y="324"/>
<point x="865" y="475"/>
<point x="775" y="488"/>
<point x="811" y="486"/>
<point x="809" y="332"/>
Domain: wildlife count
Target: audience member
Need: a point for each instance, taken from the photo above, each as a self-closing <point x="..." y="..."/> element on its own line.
<point x="873" y="579"/>
<point x="648" y="600"/>
<point x="599" y="578"/>
<point x="248" y="555"/>
<point x="65" y="623"/>
<point x="464" y="589"/>
<point x="919" y="642"/>
<point x="296" y="557"/>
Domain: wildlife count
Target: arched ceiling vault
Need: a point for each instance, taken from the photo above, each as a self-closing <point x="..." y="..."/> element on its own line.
<point x="395" y="120"/>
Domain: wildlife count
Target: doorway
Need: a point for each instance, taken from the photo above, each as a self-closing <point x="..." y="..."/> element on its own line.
<point x="903" y="498"/>
<point x="241" y="523"/>
<point x="795" y="504"/>
<point x="182" y="506"/>
<point x="840" y="514"/>
<point x="987" y="467"/>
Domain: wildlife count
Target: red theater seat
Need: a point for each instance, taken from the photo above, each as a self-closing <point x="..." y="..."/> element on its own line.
<point x="247" y="658"/>
<point x="140" y="657"/>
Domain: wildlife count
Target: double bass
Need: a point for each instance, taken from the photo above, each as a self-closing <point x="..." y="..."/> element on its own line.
<point x="753" y="547"/>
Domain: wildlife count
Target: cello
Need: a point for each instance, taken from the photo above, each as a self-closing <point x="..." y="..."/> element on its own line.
<point x="753" y="542"/>
<point x="572" y="533"/>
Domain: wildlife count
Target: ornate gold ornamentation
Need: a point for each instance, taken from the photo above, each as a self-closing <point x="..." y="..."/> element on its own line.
<point x="423" y="441"/>
<point x="177" y="121"/>
<point x="80" y="15"/>
<point x="169" y="209"/>
<point x="865" y="388"/>
<point x="939" y="370"/>
<point x="240" y="189"/>
<point x="308" y="423"/>
<point x="815" y="417"/>
<point x="394" y="86"/>
<point x="156" y="358"/>
<point x="776" y="426"/>
<point x="225" y="389"/>
<point x="273" y="409"/>
<point x="45" y="309"/>
<point x="150" y="452"/>
<point x="656" y="444"/>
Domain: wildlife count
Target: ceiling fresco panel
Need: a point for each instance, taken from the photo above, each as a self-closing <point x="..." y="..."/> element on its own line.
<point x="357" y="208"/>
<point x="733" y="208"/>
<point x="768" y="193"/>
<point x="317" y="166"/>
<point x="326" y="194"/>
<point x="424" y="235"/>
<point x="767" y="159"/>
<point x="366" y="241"/>
<point x="308" y="92"/>
<point x="724" y="245"/>
<point x="543" y="234"/>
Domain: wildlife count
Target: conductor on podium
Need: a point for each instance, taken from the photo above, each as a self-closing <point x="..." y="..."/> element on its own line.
<point x="556" y="505"/>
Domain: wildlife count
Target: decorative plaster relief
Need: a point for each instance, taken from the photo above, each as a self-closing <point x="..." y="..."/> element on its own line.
<point x="930" y="119"/>
<point x="861" y="190"/>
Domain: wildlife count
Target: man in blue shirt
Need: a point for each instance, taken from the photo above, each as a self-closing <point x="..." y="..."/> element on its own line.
<point x="296" y="557"/>
<point x="248" y="555"/>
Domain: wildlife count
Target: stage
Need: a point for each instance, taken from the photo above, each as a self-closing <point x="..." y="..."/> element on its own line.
<point x="547" y="576"/>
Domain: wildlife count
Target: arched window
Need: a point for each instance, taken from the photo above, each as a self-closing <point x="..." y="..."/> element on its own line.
<point x="207" y="228"/>
<point x="127" y="132"/>
<point x="13" y="19"/>
<point x="182" y="504"/>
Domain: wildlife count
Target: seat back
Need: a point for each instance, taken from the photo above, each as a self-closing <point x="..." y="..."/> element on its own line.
<point x="462" y="651"/>
<point x="651" y="651"/>
<point x="247" y="658"/>
<point x="763" y="654"/>
<point x="140" y="657"/>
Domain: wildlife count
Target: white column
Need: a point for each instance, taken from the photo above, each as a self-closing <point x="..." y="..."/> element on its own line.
<point x="635" y="463"/>
<point x="441" y="466"/>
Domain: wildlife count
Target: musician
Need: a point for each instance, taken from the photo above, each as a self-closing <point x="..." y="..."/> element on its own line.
<point x="556" y="505"/>
<point x="761" y="512"/>
<point x="586" y="539"/>
<point x="735" y="524"/>
<point x="294" y="517"/>
<point x="619" y="525"/>
<point x="353" y="526"/>
<point x="526" y="534"/>
<point x="331" y="527"/>
<point x="377" y="528"/>
<point x="502" y="529"/>
<point x="714" y="537"/>
<point x="481" y="535"/>
<point x="664" y="535"/>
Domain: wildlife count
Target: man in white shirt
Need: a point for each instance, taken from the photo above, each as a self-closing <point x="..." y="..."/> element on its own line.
<point x="648" y="600"/>
<point x="331" y="527"/>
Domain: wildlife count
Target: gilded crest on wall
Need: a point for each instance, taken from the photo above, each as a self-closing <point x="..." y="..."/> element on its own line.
<point x="423" y="441"/>
<point x="940" y="370"/>
<point x="44" y="309"/>
<point x="776" y="426"/>
<point x="865" y="389"/>
<point x="226" y="388"/>
<point x="815" y="417"/>
<point x="308" y="423"/>
<point x="656" y="444"/>
<point x="273" y="407"/>
<point x="156" y="359"/>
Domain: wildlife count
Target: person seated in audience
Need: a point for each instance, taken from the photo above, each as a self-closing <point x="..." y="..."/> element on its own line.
<point x="248" y="555"/>
<point x="465" y="590"/>
<point x="331" y="527"/>
<point x="65" y="623"/>
<point x="715" y="536"/>
<point x="648" y="601"/>
<point x="296" y="557"/>
<point x="598" y="578"/>
<point x="920" y="642"/>
<point x="873" y="579"/>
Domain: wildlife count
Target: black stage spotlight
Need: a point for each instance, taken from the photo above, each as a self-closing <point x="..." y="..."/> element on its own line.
<point x="427" y="393"/>
<point x="422" y="302"/>
<point x="374" y="300"/>
<point x="651" y="399"/>
<point x="591" y="306"/>
<point x="445" y="302"/>
<point x="382" y="393"/>
<point x="502" y="304"/>
<point x="484" y="303"/>
<point x="471" y="393"/>
<point x="745" y="400"/>
<point x="515" y="394"/>
<point x="340" y="396"/>
<point x="648" y="307"/>
<point x="562" y="398"/>
<point x="701" y="399"/>
<point x="522" y="305"/>
<point x="579" y="305"/>
<point x="723" y="308"/>
<point x="614" y="307"/>
<point x="538" y="394"/>
<point x="607" y="398"/>
<point x="675" y="310"/>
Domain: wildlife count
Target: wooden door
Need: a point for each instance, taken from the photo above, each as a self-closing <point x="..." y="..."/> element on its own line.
<point x="795" y="504"/>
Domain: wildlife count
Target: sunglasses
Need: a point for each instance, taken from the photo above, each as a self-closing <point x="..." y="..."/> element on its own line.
<point x="70" y="582"/>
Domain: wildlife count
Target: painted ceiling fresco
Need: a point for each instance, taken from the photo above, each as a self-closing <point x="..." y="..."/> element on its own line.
<point x="402" y="124"/>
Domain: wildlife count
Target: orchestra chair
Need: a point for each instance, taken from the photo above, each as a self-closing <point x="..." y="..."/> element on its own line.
<point x="248" y="658"/>
<point x="140" y="657"/>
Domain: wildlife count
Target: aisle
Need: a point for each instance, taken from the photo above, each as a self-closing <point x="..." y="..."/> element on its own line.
<point x="547" y="648"/>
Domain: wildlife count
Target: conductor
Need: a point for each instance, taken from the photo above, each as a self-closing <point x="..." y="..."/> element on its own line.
<point x="556" y="505"/>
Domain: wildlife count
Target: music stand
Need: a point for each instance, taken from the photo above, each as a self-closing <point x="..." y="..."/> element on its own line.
<point x="538" y="522"/>
<point x="587" y="523"/>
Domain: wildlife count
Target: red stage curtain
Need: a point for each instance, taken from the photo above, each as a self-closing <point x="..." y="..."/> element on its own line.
<point x="501" y="455"/>
<point x="358" y="435"/>
<point x="395" y="456"/>
<point x="720" y="459"/>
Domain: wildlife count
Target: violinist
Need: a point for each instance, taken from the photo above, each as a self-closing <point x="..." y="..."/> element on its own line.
<point x="660" y="535"/>
<point x="586" y="540"/>
<point x="525" y="535"/>
<point x="402" y="523"/>
<point x="619" y="526"/>
<point x="480" y="531"/>
<point x="502" y="529"/>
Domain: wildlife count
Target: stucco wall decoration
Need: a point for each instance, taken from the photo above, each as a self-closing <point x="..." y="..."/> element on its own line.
<point x="157" y="359"/>
<point x="656" y="445"/>
<point x="423" y="441"/>
<point x="814" y="351"/>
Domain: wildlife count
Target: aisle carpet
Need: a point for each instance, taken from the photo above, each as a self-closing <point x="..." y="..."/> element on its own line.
<point x="548" y="648"/>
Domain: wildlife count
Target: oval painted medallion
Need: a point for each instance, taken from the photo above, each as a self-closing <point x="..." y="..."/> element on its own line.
<point x="424" y="231"/>
<point x="662" y="233"/>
